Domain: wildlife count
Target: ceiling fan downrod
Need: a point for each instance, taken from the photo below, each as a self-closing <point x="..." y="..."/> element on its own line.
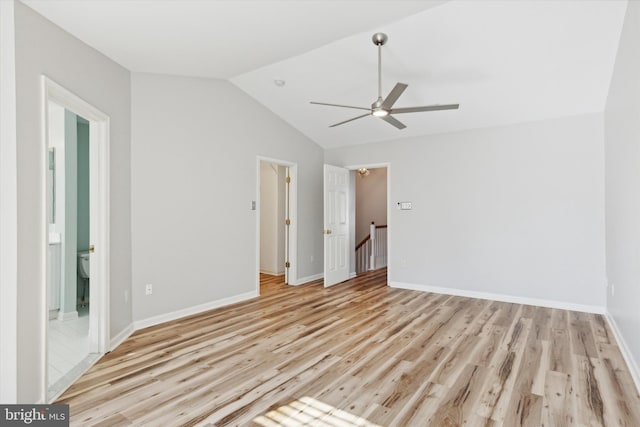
<point x="379" y="39"/>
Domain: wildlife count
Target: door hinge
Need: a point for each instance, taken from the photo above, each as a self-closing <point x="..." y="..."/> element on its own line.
<point x="287" y="221"/>
<point x="288" y="180"/>
<point x="287" y="264"/>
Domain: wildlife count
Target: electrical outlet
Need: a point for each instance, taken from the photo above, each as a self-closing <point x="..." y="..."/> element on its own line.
<point x="126" y="295"/>
<point x="613" y="289"/>
<point x="149" y="289"/>
<point x="311" y="258"/>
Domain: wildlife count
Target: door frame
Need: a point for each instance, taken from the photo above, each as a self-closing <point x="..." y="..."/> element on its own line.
<point x="99" y="140"/>
<point x="291" y="244"/>
<point x="387" y="165"/>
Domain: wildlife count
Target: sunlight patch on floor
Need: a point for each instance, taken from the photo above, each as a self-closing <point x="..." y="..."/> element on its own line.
<point x="308" y="411"/>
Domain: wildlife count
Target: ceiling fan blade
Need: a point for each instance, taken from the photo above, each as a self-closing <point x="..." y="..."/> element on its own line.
<point x="393" y="96"/>
<point x="425" y="108"/>
<point x="393" y="121"/>
<point x="339" y="105"/>
<point x="350" y="120"/>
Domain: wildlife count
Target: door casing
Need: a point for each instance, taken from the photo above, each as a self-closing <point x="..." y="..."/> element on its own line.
<point x="99" y="122"/>
<point x="389" y="228"/>
<point x="292" y="205"/>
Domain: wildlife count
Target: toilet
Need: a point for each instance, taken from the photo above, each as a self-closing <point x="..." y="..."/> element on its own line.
<point x="83" y="283"/>
<point x="83" y="264"/>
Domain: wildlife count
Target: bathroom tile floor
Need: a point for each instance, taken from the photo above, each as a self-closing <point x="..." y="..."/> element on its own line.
<point x="68" y="345"/>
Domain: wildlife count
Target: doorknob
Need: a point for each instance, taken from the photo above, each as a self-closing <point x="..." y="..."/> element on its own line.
<point x="92" y="249"/>
<point x="326" y="231"/>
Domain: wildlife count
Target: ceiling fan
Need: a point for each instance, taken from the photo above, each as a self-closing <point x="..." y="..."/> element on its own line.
<point x="383" y="108"/>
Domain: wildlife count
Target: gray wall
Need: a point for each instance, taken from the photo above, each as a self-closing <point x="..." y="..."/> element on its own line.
<point x="516" y="210"/>
<point x="622" y="145"/>
<point x="8" y="208"/>
<point x="195" y="144"/>
<point x="43" y="48"/>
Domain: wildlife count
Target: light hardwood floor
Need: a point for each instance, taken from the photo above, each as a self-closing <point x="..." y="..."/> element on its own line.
<point x="363" y="354"/>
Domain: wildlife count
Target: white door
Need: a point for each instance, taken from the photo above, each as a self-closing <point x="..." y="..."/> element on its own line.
<point x="287" y="223"/>
<point x="94" y="224"/>
<point x="336" y="225"/>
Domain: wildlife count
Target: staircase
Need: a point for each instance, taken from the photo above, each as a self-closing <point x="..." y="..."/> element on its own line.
<point x="371" y="252"/>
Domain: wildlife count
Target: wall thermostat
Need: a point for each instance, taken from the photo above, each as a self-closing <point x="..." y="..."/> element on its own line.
<point x="404" y="206"/>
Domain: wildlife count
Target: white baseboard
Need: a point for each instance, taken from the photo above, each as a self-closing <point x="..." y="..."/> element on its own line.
<point x="352" y="275"/>
<point x="59" y="387"/>
<point x="167" y="317"/>
<point x="303" y="280"/>
<point x="123" y="335"/>
<point x="272" y="273"/>
<point x="624" y="349"/>
<point x="500" y="297"/>
<point x="71" y="315"/>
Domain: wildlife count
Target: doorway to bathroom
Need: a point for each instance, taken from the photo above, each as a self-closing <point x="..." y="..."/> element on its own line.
<point x="76" y="200"/>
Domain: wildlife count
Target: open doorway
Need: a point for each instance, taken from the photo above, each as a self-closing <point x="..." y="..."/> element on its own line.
<point x="75" y="216"/>
<point x="370" y="218"/>
<point x="68" y="249"/>
<point x="351" y="245"/>
<point x="276" y="224"/>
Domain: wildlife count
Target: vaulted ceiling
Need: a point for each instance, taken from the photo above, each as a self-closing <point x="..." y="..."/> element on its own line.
<point x="504" y="61"/>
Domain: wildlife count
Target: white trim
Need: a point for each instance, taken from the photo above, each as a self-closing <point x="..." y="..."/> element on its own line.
<point x="121" y="337"/>
<point x="271" y="273"/>
<point x="500" y="297"/>
<point x="624" y="349"/>
<point x="293" y="216"/>
<point x="352" y="274"/>
<point x="74" y="375"/>
<point x="9" y="211"/>
<point x="303" y="280"/>
<point x="167" y="317"/>
<point x="99" y="138"/>
<point x="71" y="315"/>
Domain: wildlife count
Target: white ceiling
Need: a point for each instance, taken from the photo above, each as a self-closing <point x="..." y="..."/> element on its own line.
<point x="503" y="61"/>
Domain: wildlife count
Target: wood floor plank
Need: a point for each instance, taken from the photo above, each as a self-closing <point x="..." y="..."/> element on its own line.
<point x="588" y="393"/>
<point x="362" y="354"/>
<point x="525" y="407"/>
<point x="558" y="407"/>
<point x="456" y="407"/>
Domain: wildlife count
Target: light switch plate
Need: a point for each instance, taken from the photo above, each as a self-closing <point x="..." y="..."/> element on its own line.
<point x="404" y="206"/>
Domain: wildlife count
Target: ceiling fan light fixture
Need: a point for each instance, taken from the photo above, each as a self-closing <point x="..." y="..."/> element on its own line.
<point x="380" y="113"/>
